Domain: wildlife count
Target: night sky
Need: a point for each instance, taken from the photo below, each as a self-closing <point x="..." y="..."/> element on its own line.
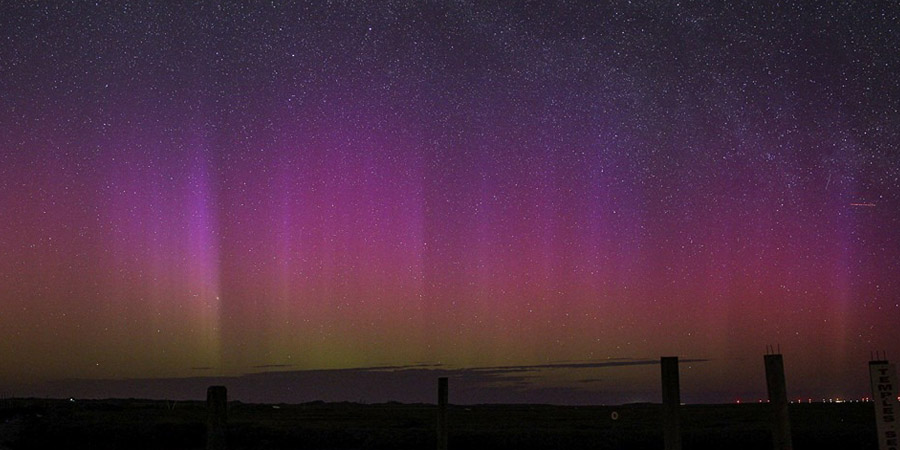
<point x="216" y="190"/>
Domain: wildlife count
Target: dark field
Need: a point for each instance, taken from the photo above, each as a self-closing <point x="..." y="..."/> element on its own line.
<point x="146" y="424"/>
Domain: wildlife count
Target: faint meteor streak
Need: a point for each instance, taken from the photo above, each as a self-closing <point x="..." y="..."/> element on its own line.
<point x="868" y="205"/>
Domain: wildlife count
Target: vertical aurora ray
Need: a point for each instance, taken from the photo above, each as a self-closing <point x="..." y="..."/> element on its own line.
<point x="202" y="234"/>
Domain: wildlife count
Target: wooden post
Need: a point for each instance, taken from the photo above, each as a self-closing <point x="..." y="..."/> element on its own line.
<point x="781" y="420"/>
<point x="443" y="394"/>
<point x="671" y="397"/>
<point x="883" y="375"/>
<point x="216" y="417"/>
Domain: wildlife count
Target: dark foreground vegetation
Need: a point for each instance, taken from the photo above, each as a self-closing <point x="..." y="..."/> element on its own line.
<point x="148" y="424"/>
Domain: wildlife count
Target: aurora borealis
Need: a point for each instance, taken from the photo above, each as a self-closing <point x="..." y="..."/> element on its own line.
<point x="219" y="189"/>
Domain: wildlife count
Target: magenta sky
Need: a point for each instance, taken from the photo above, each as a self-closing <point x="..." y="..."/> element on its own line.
<point x="205" y="191"/>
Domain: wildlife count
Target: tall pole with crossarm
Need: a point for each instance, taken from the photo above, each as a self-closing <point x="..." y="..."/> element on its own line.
<point x="781" y="421"/>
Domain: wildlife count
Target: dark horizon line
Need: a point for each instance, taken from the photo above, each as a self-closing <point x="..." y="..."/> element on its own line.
<point x="433" y="366"/>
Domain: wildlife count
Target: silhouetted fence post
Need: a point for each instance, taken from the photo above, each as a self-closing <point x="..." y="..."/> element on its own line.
<point x="671" y="397"/>
<point x="781" y="426"/>
<point x="216" y="417"/>
<point x="884" y="395"/>
<point x="443" y="394"/>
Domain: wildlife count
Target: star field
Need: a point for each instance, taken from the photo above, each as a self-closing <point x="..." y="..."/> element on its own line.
<point x="334" y="184"/>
